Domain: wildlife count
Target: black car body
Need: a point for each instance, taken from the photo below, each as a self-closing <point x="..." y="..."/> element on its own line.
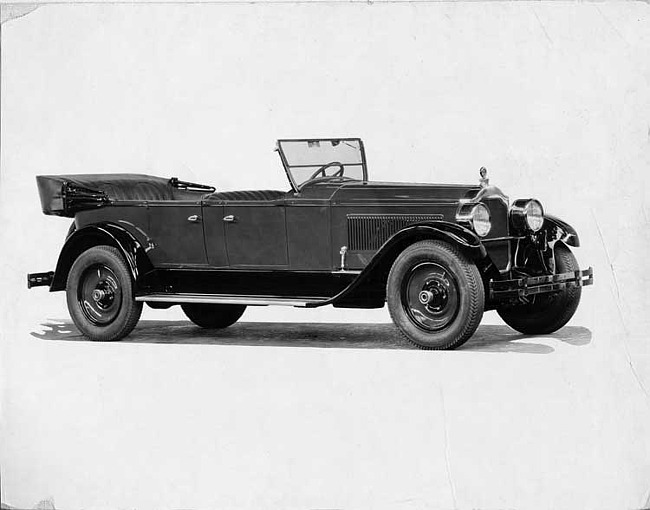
<point x="438" y="254"/>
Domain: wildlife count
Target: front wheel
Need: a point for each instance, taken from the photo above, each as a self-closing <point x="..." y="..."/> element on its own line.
<point x="213" y="316"/>
<point x="546" y="313"/>
<point x="99" y="293"/>
<point x="435" y="295"/>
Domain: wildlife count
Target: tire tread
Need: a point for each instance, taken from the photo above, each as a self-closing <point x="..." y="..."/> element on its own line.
<point x="540" y="324"/>
<point x="134" y="311"/>
<point x="209" y="316"/>
<point x="473" y="277"/>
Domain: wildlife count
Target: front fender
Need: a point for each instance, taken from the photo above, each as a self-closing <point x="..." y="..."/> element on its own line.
<point x="457" y="235"/>
<point x="377" y="269"/>
<point x="100" y="234"/>
<point x="567" y="234"/>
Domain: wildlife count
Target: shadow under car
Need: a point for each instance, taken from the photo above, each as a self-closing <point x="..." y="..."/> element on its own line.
<point x="488" y="338"/>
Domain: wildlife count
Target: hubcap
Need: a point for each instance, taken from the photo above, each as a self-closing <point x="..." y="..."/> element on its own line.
<point x="430" y="296"/>
<point x="425" y="297"/>
<point x="99" y="294"/>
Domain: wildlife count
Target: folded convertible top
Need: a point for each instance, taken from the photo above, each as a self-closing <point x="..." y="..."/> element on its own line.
<point x="65" y="195"/>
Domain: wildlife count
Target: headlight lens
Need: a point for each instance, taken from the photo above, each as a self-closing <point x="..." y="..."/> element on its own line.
<point x="534" y="215"/>
<point x="481" y="220"/>
<point x="527" y="214"/>
<point x="476" y="216"/>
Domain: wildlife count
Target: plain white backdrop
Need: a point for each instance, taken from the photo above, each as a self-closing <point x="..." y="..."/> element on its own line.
<point x="554" y="98"/>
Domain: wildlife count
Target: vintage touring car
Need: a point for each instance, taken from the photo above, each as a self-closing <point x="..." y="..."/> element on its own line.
<point x="438" y="254"/>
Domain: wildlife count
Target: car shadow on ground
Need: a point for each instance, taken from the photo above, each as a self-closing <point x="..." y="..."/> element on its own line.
<point x="488" y="338"/>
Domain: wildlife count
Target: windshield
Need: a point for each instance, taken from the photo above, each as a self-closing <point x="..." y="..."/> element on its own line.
<point x="323" y="160"/>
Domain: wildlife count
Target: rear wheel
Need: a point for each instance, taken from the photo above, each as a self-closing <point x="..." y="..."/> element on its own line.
<point x="435" y="295"/>
<point x="546" y="313"/>
<point x="213" y="316"/>
<point x="99" y="293"/>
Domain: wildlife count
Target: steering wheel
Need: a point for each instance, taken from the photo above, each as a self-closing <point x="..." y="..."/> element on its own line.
<point x="321" y="170"/>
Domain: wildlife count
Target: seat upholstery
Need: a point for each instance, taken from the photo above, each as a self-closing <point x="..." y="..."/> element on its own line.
<point x="248" y="195"/>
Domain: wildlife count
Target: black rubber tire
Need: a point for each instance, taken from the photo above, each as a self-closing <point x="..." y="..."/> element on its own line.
<point x="546" y="313"/>
<point x="469" y="289"/>
<point x="127" y="312"/>
<point x="213" y="316"/>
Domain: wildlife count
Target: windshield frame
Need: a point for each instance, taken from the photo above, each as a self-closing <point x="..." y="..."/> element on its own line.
<point x="287" y="167"/>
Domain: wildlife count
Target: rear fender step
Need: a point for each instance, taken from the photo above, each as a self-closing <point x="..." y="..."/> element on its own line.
<point x="40" y="279"/>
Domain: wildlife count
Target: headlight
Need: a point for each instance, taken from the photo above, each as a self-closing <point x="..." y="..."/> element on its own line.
<point x="527" y="214"/>
<point x="477" y="216"/>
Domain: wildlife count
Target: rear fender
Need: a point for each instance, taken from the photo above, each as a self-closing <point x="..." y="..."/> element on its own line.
<point x="101" y="234"/>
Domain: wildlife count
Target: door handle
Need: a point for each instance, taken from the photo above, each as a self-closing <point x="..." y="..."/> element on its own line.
<point x="195" y="218"/>
<point x="229" y="219"/>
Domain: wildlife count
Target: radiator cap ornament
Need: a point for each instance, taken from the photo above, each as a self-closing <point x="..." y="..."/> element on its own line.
<point x="484" y="180"/>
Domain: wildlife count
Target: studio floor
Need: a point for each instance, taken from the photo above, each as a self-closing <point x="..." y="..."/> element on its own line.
<point x="321" y="415"/>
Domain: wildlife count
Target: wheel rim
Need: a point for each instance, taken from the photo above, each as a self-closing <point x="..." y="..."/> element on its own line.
<point x="430" y="296"/>
<point x="99" y="294"/>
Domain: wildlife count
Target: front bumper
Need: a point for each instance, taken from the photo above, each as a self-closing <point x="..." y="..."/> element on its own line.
<point x="521" y="287"/>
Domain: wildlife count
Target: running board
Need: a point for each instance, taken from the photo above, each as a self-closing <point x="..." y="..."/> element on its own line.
<point x="230" y="299"/>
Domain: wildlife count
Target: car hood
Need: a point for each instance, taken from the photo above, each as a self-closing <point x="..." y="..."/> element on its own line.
<point x="400" y="191"/>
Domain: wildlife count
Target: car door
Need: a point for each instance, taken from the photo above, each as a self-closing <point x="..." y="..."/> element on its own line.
<point x="214" y="231"/>
<point x="255" y="232"/>
<point x="308" y="233"/>
<point x="176" y="232"/>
